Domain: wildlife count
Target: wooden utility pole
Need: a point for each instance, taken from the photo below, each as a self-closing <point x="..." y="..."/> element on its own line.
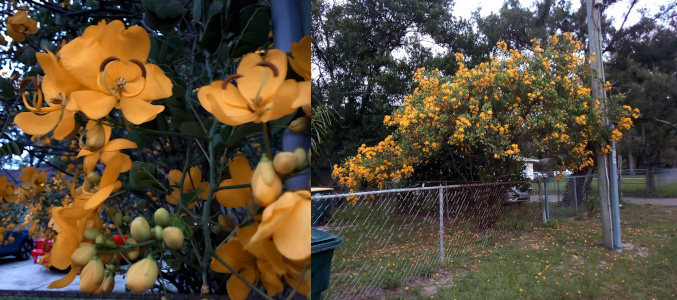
<point x="595" y="46"/>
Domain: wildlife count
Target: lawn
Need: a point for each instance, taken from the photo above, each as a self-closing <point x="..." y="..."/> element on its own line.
<point x="565" y="259"/>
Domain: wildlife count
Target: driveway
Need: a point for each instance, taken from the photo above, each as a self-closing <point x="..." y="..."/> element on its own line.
<point x="25" y="275"/>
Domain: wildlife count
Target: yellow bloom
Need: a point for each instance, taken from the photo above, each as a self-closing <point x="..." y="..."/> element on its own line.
<point x="7" y="191"/>
<point x="261" y="94"/>
<point x="240" y="173"/>
<point x="193" y="181"/>
<point x="110" y="150"/>
<point x="109" y="61"/>
<point x="287" y="221"/>
<point x="57" y="84"/>
<point x="300" y="57"/>
<point x="19" y="24"/>
<point x="33" y="180"/>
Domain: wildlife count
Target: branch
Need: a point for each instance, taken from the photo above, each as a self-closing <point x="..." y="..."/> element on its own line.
<point x="620" y="29"/>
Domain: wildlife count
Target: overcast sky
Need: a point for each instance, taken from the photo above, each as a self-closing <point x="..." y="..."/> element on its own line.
<point x="464" y="8"/>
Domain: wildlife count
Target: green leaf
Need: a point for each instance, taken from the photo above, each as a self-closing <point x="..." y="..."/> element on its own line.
<point x="179" y="119"/>
<point x="240" y="132"/>
<point x="226" y="132"/>
<point x="191" y="128"/>
<point x="247" y="223"/>
<point x="7" y="88"/>
<point x="190" y="197"/>
<point x="216" y="7"/>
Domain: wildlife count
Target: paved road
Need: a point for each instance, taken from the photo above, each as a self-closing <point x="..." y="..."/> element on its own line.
<point x="25" y="275"/>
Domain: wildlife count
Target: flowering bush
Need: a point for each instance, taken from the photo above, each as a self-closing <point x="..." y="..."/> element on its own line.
<point x="481" y="119"/>
<point x="164" y="159"/>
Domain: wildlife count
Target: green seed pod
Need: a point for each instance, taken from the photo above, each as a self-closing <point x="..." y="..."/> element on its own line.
<point x="157" y="231"/>
<point x="140" y="229"/>
<point x="161" y="217"/>
<point x="91" y="234"/>
<point x="126" y="219"/>
<point x="132" y="254"/>
<point x="83" y="254"/>
<point x="118" y="218"/>
<point x="141" y="275"/>
<point x="91" y="276"/>
<point x="99" y="240"/>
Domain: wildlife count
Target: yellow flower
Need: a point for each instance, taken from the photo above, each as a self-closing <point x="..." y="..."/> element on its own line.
<point x="300" y="57"/>
<point x="287" y="221"/>
<point x="57" y="84"/>
<point x="33" y="179"/>
<point x="7" y="191"/>
<point x="109" y="61"/>
<point x="110" y="150"/>
<point x="19" y="25"/>
<point x="261" y="94"/>
<point x="240" y="173"/>
<point x="193" y="181"/>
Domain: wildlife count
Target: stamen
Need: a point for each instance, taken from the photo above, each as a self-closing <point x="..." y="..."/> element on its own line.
<point x="270" y="65"/>
<point x="229" y="79"/>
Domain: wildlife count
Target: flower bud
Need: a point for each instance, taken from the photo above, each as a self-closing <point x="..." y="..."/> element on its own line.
<point x="108" y="284"/>
<point x="83" y="254"/>
<point x="105" y="257"/>
<point x="306" y="109"/>
<point x="285" y="162"/>
<point x="173" y="237"/>
<point x="157" y="232"/>
<point x="126" y="219"/>
<point x="99" y="240"/>
<point x="91" y="234"/>
<point x="117" y="218"/>
<point x="95" y="138"/>
<point x="140" y="229"/>
<point x="266" y="184"/>
<point x="299" y="125"/>
<point x="91" y="276"/>
<point x="161" y="217"/>
<point x="141" y="275"/>
<point x="132" y="254"/>
<point x="301" y="156"/>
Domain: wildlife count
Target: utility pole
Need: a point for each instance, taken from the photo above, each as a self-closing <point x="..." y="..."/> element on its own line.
<point x="606" y="168"/>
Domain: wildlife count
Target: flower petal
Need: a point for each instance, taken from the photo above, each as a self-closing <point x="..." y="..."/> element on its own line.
<point x="99" y="197"/>
<point x="139" y="111"/>
<point x="237" y="289"/>
<point x="232" y="254"/>
<point x="68" y="126"/>
<point x="33" y="124"/>
<point x="119" y="144"/>
<point x="282" y="104"/>
<point x="292" y="238"/>
<point x="95" y="105"/>
<point x="66" y="280"/>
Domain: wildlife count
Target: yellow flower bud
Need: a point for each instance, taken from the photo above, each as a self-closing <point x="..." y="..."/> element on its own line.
<point x="108" y="284"/>
<point x="105" y="257"/>
<point x="299" y="125"/>
<point x="91" y="234"/>
<point x="132" y="254"/>
<point x="142" y="275"/>
<point x="173" y="237"/>
<point x="161" y="217"/>
<point x="301" y="156"/>
<point x="140" y="229"/>
<point x="266" y="184"/>
<point x="95" y="138"/>
<point x="285" y="162"/>
<point x="83" y="254"/>
<point x="91" y="276"/>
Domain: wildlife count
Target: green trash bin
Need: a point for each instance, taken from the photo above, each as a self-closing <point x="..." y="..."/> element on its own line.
<point x="320" y="207"/>
<point x="322" y="251"/>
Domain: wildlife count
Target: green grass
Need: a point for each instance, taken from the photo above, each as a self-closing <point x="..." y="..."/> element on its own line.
<point x="630" y="186"/>
<point x="519" y="258"/>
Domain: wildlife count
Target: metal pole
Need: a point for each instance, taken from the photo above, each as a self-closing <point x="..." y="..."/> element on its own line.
<point x="615" y="210"/>
<point x="595" y="45"/>
<point x="441" y="226"/>
<point x="547" y="202"/>
<point x="286" y="17"/>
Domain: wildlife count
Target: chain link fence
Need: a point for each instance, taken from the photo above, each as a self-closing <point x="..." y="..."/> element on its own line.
<point x="570" y="196"/>
<point x="392" y="235"/>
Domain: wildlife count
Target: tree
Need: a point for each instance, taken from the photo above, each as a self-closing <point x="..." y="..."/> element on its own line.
<point x="478" y="120"/>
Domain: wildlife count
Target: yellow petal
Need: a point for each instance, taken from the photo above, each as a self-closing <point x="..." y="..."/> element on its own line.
<point x="33" y="124"/>
<point x="119" y="144"/>
<point x="282" y="103"/>
<point x="301" y="57"/>
<point x="91" y="160"/>
<point x="304" y="97"/>
<point x="66" y="280"/>
<point x="232" y="254"/>
<point x="259" y="80"/>
<point x="31" y="26"/>
<point x="237" y="289"/>
<point x="158" y="85"/>
<point x="129" y="43"/>
<point x="229" y="115"/>
<point x="19" y="17"/>
<point x="139" y="111"/>
<point x="270" y="280"/>
<point x="95" y="105"/>
<point x="99" y="197"/>
<point x="292" y="238"/>
<point x="68" y="126"/>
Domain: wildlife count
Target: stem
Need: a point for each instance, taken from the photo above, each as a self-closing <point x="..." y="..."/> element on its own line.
<point x="206" y="209"/>
<point x="230" y="187"/>
<point x="163" y="133"/>
<point x="184" y="260"/>
<point x="298" y="283"/>
<point x="266" y="136"/>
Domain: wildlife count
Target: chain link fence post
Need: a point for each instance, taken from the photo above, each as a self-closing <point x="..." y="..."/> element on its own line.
<point x="441" y="226"/>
